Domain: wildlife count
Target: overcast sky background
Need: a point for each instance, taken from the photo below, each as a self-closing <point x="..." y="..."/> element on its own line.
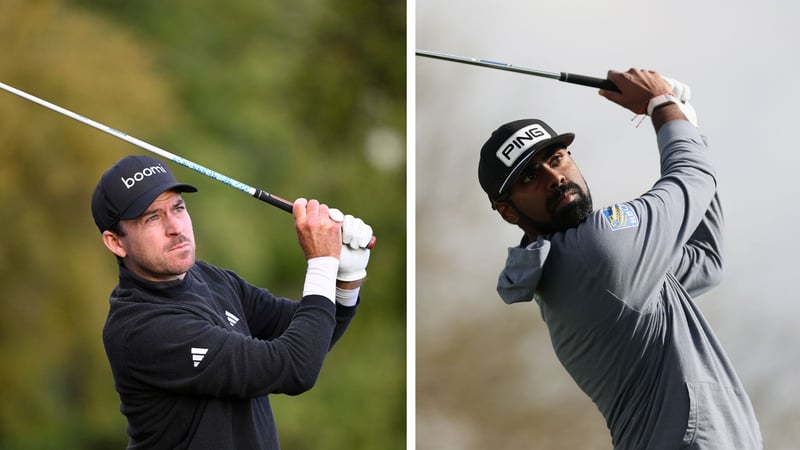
<point x="740" y="60"/>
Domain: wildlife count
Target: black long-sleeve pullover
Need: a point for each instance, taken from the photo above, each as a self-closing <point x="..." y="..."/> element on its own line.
<point x="194" y="360"/>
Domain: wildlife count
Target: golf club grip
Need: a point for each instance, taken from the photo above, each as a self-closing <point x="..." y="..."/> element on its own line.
<point x="273" y="200"/>
<point x="287" y="206"/>
<point x="588" y="81"/>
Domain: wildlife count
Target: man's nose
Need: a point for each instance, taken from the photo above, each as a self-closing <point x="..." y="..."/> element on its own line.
<point x="174" y="225"/>
<point x="554" y="177"/>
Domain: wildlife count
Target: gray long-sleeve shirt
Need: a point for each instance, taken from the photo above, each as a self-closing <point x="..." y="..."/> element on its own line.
<point x="616" y="293"/>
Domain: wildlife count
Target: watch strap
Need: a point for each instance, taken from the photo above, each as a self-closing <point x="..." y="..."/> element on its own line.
<point x="660" y="100"/>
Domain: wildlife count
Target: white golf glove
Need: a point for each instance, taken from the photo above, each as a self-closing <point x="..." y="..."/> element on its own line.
<point x="356" y="236"/>
<point x="682" y="92"/>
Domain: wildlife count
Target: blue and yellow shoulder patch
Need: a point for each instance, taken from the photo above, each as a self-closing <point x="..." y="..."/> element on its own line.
<point x="621" y="216"/>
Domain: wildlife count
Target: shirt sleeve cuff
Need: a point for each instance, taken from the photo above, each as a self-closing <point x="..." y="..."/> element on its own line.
<point x="347" y="297"/>
<point x="321" y="277"/>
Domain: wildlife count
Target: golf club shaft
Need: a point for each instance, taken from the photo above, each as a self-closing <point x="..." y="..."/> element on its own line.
<point x="560" y="76"/>
<point x="257" y="193"/>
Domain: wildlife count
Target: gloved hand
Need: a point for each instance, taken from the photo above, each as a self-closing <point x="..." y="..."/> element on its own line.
<point x="356" y="235"/>
<point x="682" y="92"/>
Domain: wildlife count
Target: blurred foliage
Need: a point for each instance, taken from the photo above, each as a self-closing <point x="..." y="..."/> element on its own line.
<point x="301" y="98"/>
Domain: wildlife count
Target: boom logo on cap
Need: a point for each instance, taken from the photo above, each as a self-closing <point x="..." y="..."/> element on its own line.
<point x="139" y="176"/>
<point x="520" y="141"/>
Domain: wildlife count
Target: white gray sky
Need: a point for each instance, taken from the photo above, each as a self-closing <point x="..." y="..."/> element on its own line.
<point x="740" y="60"/>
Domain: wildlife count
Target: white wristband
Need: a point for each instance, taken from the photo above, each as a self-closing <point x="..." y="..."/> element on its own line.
<point x="659" y="100"/>
<point x="347" y="297"/>
<point x="321" y="277"/>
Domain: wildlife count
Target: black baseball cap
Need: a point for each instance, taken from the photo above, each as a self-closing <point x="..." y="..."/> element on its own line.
<point x="126" y="189"/>
<point x="509" y="149"/>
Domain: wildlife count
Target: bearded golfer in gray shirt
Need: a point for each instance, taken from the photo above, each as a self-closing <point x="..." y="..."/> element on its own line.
<point x="616" y="285"/>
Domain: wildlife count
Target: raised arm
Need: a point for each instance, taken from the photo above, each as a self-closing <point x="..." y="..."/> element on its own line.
<point x="700" y="266"/>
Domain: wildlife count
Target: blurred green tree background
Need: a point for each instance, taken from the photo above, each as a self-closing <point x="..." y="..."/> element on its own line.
<point x="302" y="98"/>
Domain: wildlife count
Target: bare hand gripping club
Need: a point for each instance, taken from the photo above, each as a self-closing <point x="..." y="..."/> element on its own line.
<point x="560" y="76"/>
<point x="257" y="193"/>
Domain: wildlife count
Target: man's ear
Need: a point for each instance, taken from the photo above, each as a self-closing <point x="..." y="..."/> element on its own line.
<point x="507" y="212"/>
<point x="114" y="244"/>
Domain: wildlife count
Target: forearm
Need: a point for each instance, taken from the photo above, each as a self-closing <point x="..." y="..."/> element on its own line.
<point x="685" y="160"/>
<point x="344" y="315"/>
<point x="666" y="113"/>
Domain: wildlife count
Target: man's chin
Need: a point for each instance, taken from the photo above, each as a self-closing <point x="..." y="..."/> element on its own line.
<point x="576" y="217"/>
<point x="179" y="269"/>
<point x="572" y="214"/>
<point x="187" y="266"/>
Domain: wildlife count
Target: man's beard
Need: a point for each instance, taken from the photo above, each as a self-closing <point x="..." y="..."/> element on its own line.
<point x="569" y="216"/>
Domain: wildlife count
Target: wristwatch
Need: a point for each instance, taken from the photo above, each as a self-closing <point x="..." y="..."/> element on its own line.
<point x="659" y="101"/>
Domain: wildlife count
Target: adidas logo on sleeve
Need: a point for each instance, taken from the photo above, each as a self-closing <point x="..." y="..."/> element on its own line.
<point x="231" y="318"/>
<point x="198" y="354"/>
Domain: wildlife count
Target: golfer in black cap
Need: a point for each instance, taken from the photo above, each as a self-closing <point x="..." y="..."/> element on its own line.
<point x="196" y="349"/>
<point x="616" y="285"/>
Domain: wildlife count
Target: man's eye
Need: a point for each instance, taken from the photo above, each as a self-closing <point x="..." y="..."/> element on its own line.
<point x="530" y="174"/>
<point x="152" y="218"/>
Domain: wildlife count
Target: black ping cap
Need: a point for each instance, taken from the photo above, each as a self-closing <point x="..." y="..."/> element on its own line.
<point x="508" y="151"/>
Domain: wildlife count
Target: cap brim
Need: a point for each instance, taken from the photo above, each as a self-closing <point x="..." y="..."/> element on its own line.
<point x="562" y="139"/>
<point x="139" y="206"/>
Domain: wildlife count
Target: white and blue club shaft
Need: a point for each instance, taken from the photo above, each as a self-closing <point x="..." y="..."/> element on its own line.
<point x="566" y="77"/>
<point x="255" y="192"/>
